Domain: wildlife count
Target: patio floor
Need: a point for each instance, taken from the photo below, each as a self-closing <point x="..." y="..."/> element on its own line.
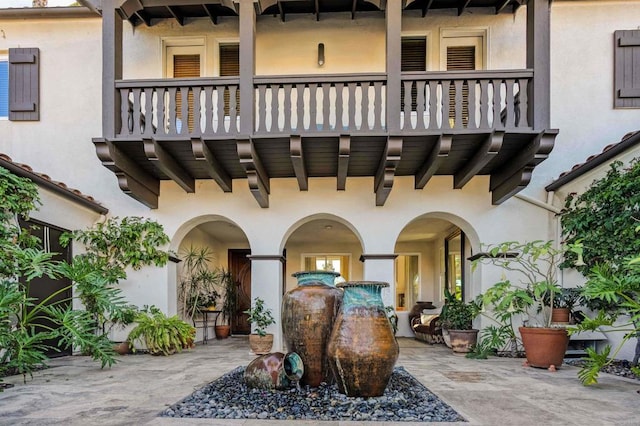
<point x="498" y="391"/>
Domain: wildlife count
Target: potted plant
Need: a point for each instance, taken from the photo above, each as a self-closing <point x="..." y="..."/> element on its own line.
<point x="229" y="290"/>
<point x="536" y="263"/>
<point x="457" y="318"/>
<point x="260" y="341"/>
<point x="160" y="334"/>
<point x="198" y="289"/>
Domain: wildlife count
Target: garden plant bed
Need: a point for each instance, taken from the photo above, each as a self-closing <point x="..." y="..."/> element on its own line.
<point x="620" y="368"/>
<point x="404" y="400"/>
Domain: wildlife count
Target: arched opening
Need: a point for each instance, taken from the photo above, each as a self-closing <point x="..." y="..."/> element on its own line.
<point x="213" y="268"/>
<point x="432" y="256"/>
<point x="322" y="242"/>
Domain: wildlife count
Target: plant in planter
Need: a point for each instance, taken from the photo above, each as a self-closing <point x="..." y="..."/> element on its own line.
<point x="198" y="289"/>
<point x="457" y="318"/>
<point x="536" y="263"/>
<point x="160" y="334"/>
<point x="229" y="290"/>
<point x="261" y="317"/>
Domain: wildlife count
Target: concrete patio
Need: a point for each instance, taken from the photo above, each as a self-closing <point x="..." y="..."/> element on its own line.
<point x="498" y="391"/>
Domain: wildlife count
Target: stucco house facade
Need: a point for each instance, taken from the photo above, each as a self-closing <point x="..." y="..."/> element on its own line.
<point x="388" y="140"/>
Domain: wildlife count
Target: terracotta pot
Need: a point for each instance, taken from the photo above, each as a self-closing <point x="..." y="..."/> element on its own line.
<point x="446" y="337"/>
<point x="274" y="371"/>
<point x="362" y="348"/>
<point x="560" y="315"/>
<point x="463" y="340"/>
<point x="222" y="331"/>
<point x="122" y="348"/>
<point x="260" y="345"/>
<point x="308" y="314"/>
<point x="544" y="347"/>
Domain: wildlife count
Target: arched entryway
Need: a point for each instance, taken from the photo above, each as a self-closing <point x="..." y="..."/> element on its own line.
<point x="226" y="247"/>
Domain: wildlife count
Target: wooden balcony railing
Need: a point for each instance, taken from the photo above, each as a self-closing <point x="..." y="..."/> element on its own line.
<point x="353" y="104"/>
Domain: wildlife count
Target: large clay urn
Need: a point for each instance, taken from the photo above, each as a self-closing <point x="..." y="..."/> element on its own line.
<point x="544" y="347"/>
<point x="274" y="371"/>
<point x="362" y="349"/>
<point x="308" y="313"/>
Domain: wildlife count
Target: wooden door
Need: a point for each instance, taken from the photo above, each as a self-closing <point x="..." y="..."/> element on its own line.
<point x="240" y="268"/>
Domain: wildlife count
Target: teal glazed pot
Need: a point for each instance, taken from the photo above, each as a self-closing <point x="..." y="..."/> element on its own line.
<point x="362" y="348"/>
<point x="274" y="371"/>
<point x="308" y="313"/>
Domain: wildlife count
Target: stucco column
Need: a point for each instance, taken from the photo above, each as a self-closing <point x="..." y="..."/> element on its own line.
<point x="266" y="283"/>
<point x="381" y="267"/>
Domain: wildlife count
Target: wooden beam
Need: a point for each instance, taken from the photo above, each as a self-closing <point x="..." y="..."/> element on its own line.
<point x="532" y="155"/>
<point x="344" y="151"/>
<point x="433" y="161"/>
<point x="387" y="169"/>
<point x="211" y="13"/>
<point x="353" y="9"/>
<point x="462" y="5"/>
<point x="176" y="15"/>
<point x="256" y="174"/>
<point x="168" y="165"/>
<point x="297" y="159"/>
<point x="511" y="186"/>
<point x="425" y="7"/>
<point x="137" y="191"/>
<point x="247" y="65"/>
<point x="501" y="5"/>
<point x="202" y="152"/>
<point x="144" y="17"/>
<point x="487" y="151"/>
<point x="393" y="25"/>
<point x="317" y="5"/>
<point x="281" y="10"/>
<point x="539" y="59"/>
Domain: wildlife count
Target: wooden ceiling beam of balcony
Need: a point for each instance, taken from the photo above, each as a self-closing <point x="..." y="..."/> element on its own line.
<point x="514" y="184"/>
<point x="202" y="152"/>
<point x="168" y="165"/>
<point x="487" y="151"/>
<point x="354" y="4"/>
<point x="176" y="15"/>
<point x="297" y="160"/>
<point x="462" y="5"/>
<point x="387" y="170"/>
<point x="256" y="174"/>
<point x="436" y="157"/>
<point x="344" y="151"/>
<point x="501" y="5"/>
<point x="317" y="6"/>
<point x="281" y="10"/>
<point x="146" y="187"/>
<point x="136" y="190"/>
<point x="211" y="13"/>
<point x="425" y="7"/>
<point x="144" y="17"/>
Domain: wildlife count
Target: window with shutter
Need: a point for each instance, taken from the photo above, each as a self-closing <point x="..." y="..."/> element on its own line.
<point x="230" y="67"/>
<point x="627" y="69"/>
<point x="460" y="58"/>
<point x="4" y="87"/>
<point x="413" y="57"/>
<point x="186" y="66"/>
<point x="24" y="81"/>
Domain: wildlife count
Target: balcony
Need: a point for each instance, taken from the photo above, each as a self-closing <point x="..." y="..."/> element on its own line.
<point x="420" y="124"/>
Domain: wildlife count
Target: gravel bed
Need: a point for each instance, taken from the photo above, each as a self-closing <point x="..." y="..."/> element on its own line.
<point x="404" y="400"/>
<point x="620" y="368"/>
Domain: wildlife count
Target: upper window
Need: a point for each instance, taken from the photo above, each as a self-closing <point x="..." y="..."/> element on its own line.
<point x="4" y="86"/>
<point x="413" y="57"/>
<point x="627" y="69"/>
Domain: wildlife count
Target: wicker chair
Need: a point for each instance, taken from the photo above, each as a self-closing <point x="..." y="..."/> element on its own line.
<point x="427" y="328"/>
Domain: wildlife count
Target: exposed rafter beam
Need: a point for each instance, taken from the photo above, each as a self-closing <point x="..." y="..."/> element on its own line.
<point x="501" y="5"/>
<point x="437" y="155"/>
<point x="516" y="174"/>
<point x="211" y="13"/>
<point x="281" y="10"/>
<point x="487" y="151"/>
<point x="353" y="9"/>
<point x="176" y="15"/>
<point x="317" y="10"/>
<point x="386" y="172"/>
<point x="344" y="151"/>
<point x="134" y="181"/>
<point x="256" y="175"/>
<point x="202" y="152"/>
<point x="425" y="7"/>
<point x="144" y="17"/>
<point x="168" y="165"/>
<point x="462" y="5"/>
<point x="297" y="159"/>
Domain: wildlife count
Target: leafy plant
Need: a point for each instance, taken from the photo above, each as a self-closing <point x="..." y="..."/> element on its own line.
<point x="458" y="315"/>
<point x="160" y="334"/>
<point x="199" y="285"/>
<point x="229" y="294"/>
<point x="260" y="317"/>
<point x="393" y="318"/>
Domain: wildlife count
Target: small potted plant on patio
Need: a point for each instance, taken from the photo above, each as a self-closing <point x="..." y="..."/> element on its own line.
<point x="457" y="318"/>
<point x="261" y="317"/>
<point x="160" y="334"/>
<point x="537" y="264"/>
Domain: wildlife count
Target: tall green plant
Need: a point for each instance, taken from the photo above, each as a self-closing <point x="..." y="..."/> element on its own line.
<point x="199" y="285"/>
